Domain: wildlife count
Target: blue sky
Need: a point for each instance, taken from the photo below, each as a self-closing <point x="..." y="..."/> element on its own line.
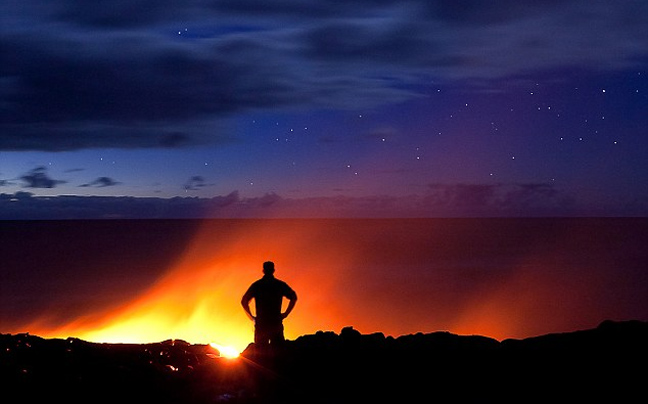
<point x="349" y="102"/>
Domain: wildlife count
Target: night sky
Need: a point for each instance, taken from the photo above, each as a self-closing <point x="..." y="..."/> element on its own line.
<point x="364" y="108"/>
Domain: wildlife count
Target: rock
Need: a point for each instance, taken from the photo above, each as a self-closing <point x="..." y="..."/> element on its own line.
<point x="604" y="363"/>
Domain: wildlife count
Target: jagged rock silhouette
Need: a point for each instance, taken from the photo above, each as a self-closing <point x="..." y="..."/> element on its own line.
<point x="607" y="362"/>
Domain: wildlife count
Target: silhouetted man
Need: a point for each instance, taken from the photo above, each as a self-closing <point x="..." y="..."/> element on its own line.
<point x="268" y="293"/>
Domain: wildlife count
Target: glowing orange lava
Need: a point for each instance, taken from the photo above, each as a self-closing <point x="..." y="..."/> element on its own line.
<point x="394" y="277"/>
<point x="198" y="299"/>
<point x="227" y="352"/>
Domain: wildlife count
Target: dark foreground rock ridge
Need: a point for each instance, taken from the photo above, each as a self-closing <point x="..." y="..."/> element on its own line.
<point x="604" y="363"/>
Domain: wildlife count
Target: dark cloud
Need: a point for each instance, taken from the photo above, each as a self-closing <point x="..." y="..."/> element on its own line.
<point x="462" y="195"/>
<point x="195" y="183"/>
<point x="117" y="74"/>
<point x="489" y="199"/>
<point x="470" y="12"/>
<point x="102" y="182"/>
<point x="25" y="205"/>
<point x="457" y="200"/>
<point x="175" y="140"/>
<point x="38" y="178"/>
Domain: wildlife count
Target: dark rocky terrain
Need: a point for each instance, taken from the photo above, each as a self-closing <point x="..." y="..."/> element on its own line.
<point x="605" y="363"/>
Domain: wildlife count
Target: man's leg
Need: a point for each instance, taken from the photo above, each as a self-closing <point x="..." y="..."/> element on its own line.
<point x="261" y="336"/>
<point x="277" y="336"/>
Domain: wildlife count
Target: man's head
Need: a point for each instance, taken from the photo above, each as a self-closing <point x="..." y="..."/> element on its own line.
<point x="268" y="268"/>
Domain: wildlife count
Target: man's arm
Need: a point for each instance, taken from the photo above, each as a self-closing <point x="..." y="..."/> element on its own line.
<point x="245" y="302"/>
<point x="292" y="300"/>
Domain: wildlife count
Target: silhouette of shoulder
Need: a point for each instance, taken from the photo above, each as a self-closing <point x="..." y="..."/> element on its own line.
<point x="270" y="286"/>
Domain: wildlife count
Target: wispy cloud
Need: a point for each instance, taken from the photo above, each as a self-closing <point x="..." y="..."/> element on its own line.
<point x="141" y="80"/>
<point x="101" y="182"/>
<point x="195" y="183"/>
<point x="38" y="178"/>
<point x="443" y="200"/>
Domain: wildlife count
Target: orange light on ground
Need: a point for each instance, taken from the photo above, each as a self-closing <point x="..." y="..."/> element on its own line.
<point x="227" y="352"/>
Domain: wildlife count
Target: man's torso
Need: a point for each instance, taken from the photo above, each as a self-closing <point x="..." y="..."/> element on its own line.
<point x="268" y="295"/>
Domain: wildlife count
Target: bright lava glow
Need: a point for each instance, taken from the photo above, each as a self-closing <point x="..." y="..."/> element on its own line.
<point x="227" y="352"/>
<point x="348" y="274"/>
